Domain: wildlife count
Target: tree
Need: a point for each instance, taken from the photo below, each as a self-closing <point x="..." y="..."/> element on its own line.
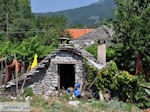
<point x="19" y="14"/>
<point x="132" y="33"/>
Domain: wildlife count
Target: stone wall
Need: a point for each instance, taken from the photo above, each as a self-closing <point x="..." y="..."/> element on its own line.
<point x="48" y="82"/>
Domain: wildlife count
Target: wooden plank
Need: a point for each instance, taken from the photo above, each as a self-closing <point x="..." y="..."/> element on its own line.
<point x="54" y="62"/>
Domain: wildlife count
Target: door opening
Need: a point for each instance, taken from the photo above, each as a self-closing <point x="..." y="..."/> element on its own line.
<point x="67" y="75"/>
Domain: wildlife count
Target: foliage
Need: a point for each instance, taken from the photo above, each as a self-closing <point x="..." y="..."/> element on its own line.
<point x="110" y="51"/>
<point x="28" y="92"/>
<point x="19" y="19"/>
<point x="27" y="35"/>
<point x="27" y="48"/>
<point x="58" y="22"/>
<point x="125" y="85"/>
<point x="141" y="98"/>
<point x="92" y="49"/>
<point x="121" y="84"/>
<point x="131" y="25"/>
<point x="104" y="77"/>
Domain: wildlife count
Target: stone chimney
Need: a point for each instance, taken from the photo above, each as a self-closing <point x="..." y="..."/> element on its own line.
<point x="63" y="41"/>
<point x="101" y="51"/>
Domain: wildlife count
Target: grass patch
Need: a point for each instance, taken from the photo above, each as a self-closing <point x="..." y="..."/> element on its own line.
<point x="40" y="104"/>
<point x="55" y="104"/>
<point x="113" y="104"/>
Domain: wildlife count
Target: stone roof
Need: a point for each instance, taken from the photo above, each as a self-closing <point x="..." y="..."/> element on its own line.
<point x="103" y="32"/>
<point x="77" y="49"/>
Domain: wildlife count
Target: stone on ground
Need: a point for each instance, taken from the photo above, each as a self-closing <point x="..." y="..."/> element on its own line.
<point x="74" y="103"/>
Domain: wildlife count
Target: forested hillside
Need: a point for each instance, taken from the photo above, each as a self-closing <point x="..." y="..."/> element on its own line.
<point x="91" y="14"/>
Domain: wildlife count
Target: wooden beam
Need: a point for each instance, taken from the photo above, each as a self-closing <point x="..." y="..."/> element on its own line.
<point x="73" y="62"/>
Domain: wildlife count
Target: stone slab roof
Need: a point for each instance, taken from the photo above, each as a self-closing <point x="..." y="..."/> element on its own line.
<point x="103" y="32"/>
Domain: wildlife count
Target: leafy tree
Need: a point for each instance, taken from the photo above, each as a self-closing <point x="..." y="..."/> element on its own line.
<point x="132" y="33"/>
<point x="41" y="22"/>
<point x="58" y="22"/>
<point x="19" y="18"/>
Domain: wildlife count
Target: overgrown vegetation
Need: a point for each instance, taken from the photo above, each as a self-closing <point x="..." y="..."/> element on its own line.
<point x="121" y="84"/>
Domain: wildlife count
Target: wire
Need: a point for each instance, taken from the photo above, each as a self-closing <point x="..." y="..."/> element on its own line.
<point x="25" y="29"/>
<point x="23" y="32"/>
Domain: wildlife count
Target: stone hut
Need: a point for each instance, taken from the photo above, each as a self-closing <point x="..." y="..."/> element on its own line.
<point x="59" y="70"/>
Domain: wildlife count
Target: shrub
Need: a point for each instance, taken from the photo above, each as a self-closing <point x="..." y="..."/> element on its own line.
<point x="122" y="85"/>
<point x="141" y="98"/>
<point x="104" y="77"/>
<point x="28" y="92"/>
<point x="125" y="86"/>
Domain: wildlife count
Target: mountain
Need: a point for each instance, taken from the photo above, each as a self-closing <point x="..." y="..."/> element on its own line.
<point x="91" y="14"/>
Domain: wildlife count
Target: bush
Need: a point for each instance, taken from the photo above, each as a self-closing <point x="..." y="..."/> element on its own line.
<point x="104" y="77"/>
<point x="125" y="86"/>
<point x="28" y="92"/>
<point x="122" y="85"/>
<point x="141" y="98"/>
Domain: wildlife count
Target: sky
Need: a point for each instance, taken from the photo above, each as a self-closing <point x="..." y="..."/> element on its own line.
<point x="57" y="5"/>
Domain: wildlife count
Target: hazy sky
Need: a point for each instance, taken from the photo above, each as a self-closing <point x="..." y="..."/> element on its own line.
<point x="57" y="5"/>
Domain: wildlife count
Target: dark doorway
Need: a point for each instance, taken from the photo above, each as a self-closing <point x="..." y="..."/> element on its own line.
<point x="67" y="75"/>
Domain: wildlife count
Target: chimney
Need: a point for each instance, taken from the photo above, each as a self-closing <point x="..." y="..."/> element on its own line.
<point x="101" y="51"/>
<point x="63" y="41"/>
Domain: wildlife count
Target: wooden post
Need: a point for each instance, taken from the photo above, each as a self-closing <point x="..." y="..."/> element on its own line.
<point x="58" y="80"/>
<point x="5" y="63"/>
<point x="1" y="77"/>
<point x="22" y="86"/>
<point x="23" y="65"/>
<point x="16" y="75"/>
